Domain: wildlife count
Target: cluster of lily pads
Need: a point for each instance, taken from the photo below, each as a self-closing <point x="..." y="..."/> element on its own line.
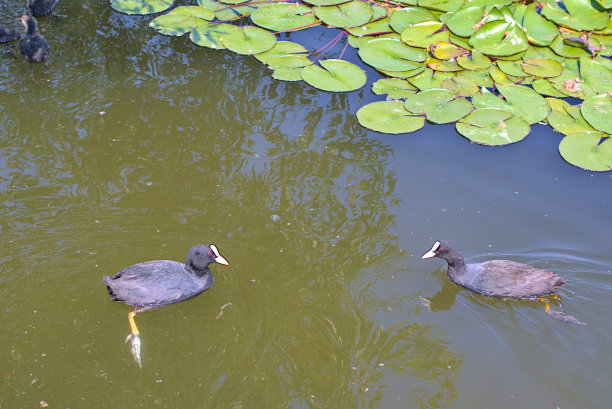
<point x="494" y="67"/>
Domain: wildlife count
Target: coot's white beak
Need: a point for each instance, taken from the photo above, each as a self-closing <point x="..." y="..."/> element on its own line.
<point x="218" y="259"/>
<point x="431" y="253"/>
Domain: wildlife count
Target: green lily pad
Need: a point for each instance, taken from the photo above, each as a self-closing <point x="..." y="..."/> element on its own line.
<point x="429" y="79"/>
<point x="511" y="68"/>
<point x="544" y="87"/>
<point x="441" y="5"/>
<point x="586" y="150"/>
<point x="248" y="40"/>
<point x="596" y="74"/>
<point x="283" y="16"/>
<point x="424" y="34"/>
<point x="293" y="74"/>
<point x="346" y="15"/>
<point x="604" y="43"/>
<point x="225" y="13"/>
<point x="408" y="16"/>
<point x="141" y="6"/>
<point x="542" y="67"/>
<point x="460" y="86"/>
<point x="499" y="76"/>
<point x="491" y="126"/>
<point x="464" y="22"/>
<point x="288" y="62"/>
<point x="404" y="74"/>
<point x="391" y="55"/>
<point x="566" y="118"/>
<point x="441" y="106"/>
<point x="182" y="20"/>
<point x="389" y="117"/>
<point x="526" y="102"/>
<point x="395" y="88"/>
<point x="576" y="14"/>
<point x="446" y="51"/>
<point x="499" y="38"/>
<point x="282" y="48"/>
<point x="442" y="65"/>
<point x="560" y="47"/>
<point x="540" y="31"/>
<point x="335" y="76"/>
<point x="210" y="35"/>
<point x="325" y="2"/>
<point x="374" y="28"/>
<point x="597" y="111"/>
<point x="479" y="77"/>
<point x="475" y="61"/>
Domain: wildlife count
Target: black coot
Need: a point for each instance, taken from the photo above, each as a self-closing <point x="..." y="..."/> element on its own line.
<point x="41" y="7"/>
<point x="9" y="34"/>
<point x="33" y="46"/>
<point x="499" y="278"/>
<point x="153" y="283"/>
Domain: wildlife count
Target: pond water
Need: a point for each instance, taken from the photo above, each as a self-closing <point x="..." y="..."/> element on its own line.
<point x="127" y="146"/>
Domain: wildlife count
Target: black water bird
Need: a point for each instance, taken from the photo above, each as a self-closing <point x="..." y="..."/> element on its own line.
<point x="33" y="46"/>
<point x="153" y="283"/>
<point x="41" y="7"/>
<point x="9" y="34"/>
<point x="500" y="278"/>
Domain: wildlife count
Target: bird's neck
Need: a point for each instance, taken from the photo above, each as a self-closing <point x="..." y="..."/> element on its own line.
<point x="31" y="29"/>
<point x="200" y="272"/>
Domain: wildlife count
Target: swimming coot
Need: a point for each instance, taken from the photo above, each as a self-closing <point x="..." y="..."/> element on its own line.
<point x="33" y="46"/>
<point x="41" y="7"/>
<point x="154" y="283"/>
<point x="9" y="34"/>
<point x="499" y="278"/>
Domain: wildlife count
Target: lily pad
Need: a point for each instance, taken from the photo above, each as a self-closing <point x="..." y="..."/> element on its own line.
<point x="248" y="40"/>
<point x="225" y="13"/>
<point x="391" y="55"/>
<point x="429" y="79"/>
<point x="576" y="14"/>
<point x="499" y="38"/>
<point x="444" y="50"/>
<point x="587" y="150"/>
<point x="346" y="15"/>
<point x="460" y="85"/>
<point x="544" y="87"/>
<point x="182" y="20"/>
<point x="395" y="88"/>
<point x="141" y="6"/>
<point x="475" y="61"/>
<point x="526" y="103"/>
<point x="566" y="118"/>
<point x="389" y="117"/>
<point x="440" y="105"/>
<point x="540" y="31"/>
<point x="596" y="74"/>
<point x="283" y="16"/>
<point x="282" y="48"/>
<point x="424" y="34"/>
<point x="464" y="22"/>
<point x="293" y="74"/>
<point x="597" y="111"/>
<point x="441" y="5"/>
<point x="210" y="35"/>
<point x="408" y="16"/>
<point x="325" y="2"/>
<point x="511" y="68"/>
<point x="542" y="67"/>
<point x="374" y="28"/>
<point x="334" y="76"/>
<point x="491" y="126"/>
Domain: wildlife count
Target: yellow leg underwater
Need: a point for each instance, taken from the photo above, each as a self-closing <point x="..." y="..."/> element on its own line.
<point x="135" y="338"/>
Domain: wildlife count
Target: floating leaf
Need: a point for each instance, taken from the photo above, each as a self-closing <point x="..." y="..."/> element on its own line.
<point x="408" y="16"/>
<point x="281" y="48"/>
<point x="389" y="117"/>
<point x="395" y="88"/>
<point x="475" y="61"/>
<point x="576" y="14"/>
<point x="479" y="77"/>
<point x="499" y="76"/>
<point x="347" y="15"/>
<point x="511" y="68"/>
<point x="248" y="40"/>
<point x="526" y="103"/>
<point x="596" y="74"/>
<point x="442" y="65"/>
<point x="335" y="76"/>
<point x="404" y="74"/>
<point x="429" y="79"/>
<point x="544" y="87"/>
<point x="566" y="118"/>
<point x="391" y="55"/>
<point x="225" y="13"/>
<point x="182" y="20"/>
<point x="441" y="5"/>
<point x="440" y="105"/>
<point x="568" y="50"/>
<point x="460" y="85"/>
<point x="542" y="67"/>
<point x="445" y="51"/>
<point x="586" y="150"/>
<point x="424" y="34"/>
<point x="597" y="111"/>
<point x="325" y="2"/>
<point x="210" y="35"/>
<point x="141" y="6"/>
<point x="283" y="16"/>
<point x="490" y="126"/>
<point x="499" y="38"/>
<point x="377" y="27"/>
<point x="539" y="30"/>
<point x="294" y="74"/>
<point x="464" y="22"/>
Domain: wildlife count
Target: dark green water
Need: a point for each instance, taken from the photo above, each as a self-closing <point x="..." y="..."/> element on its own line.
<point x="129" y="146"/>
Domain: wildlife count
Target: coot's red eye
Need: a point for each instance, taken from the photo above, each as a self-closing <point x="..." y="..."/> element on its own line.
<point x="441" y="249"/>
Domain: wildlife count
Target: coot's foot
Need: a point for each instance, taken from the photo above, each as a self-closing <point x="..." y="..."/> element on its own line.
<point x="135" y="336"/>
<point x="561" y="315"/>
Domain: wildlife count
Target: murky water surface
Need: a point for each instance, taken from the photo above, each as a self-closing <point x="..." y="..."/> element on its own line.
<point x="129" y="146"/>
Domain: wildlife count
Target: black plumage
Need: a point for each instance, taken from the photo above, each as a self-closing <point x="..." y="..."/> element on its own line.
<point x="33" y="46"/>
<point x="9" y="34"/>
<point x="41" y="7"/>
